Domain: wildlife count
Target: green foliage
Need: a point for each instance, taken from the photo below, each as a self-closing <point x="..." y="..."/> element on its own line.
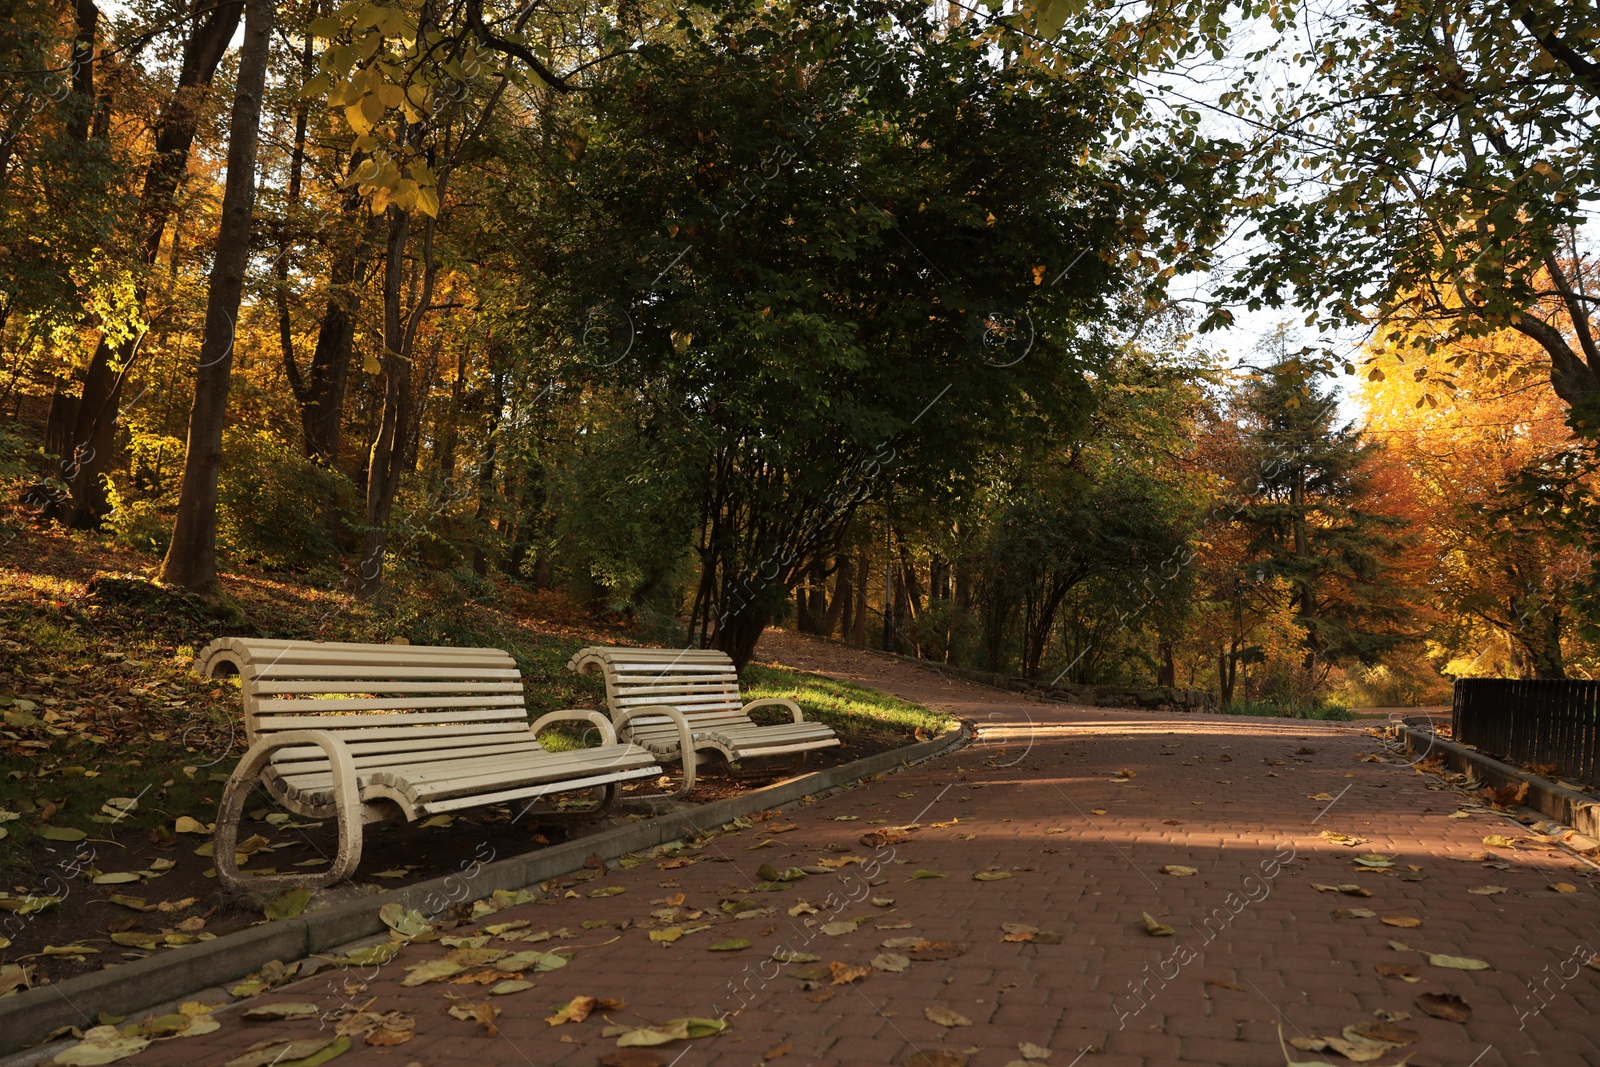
<point x="273" y="502"/>
<point x="142" y="525"/>
<point x="1328" y="708"/>
<point x="1429" y="168"/>
<point x="846" y="283"/>
<point x="1305" y="505"/>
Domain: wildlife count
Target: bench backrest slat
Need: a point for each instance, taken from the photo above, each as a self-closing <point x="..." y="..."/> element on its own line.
<point x="403" y="695"/>
<point x="701" y="683"/>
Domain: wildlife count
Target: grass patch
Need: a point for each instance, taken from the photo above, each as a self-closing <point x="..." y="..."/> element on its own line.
<point x="1327" y="710"/>
<point x="845" y="706"/>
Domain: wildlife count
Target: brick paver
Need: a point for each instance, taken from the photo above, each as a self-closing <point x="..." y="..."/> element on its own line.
<point x="1039" y="798"/>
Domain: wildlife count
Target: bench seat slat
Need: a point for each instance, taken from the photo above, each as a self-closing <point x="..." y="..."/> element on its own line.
<point x="449" y="804"/>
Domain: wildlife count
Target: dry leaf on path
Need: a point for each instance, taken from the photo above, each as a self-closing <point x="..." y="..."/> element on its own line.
<point x="1156" y="929"/>
<point x="1487" y="890"/>
<point x="1178" y="870"/>
<point x="937" y="1013"/>
<point x="891" y="962"/>
<point x="1564" y="887"/>
<point x="1445" y="1006"/>
<point x="844" y="973"/>
<point x="1406" y="922"/>
<point x="1457" y="963"/>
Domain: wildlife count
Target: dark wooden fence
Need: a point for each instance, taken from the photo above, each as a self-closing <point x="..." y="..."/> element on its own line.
<point x="1553" y="722"/>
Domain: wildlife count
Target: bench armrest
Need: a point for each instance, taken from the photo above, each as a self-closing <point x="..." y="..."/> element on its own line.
<point x="685" y="738"/>
<point x="770" y="702"/>
<point x="346" y="797"/>
<point x="608" y="733"/>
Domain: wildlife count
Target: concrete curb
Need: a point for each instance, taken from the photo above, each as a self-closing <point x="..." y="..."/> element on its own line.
<point x="1564" y="805"/>
<point x="30" y="1016"/>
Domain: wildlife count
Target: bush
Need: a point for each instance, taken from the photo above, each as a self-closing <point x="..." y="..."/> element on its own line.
<point x="273" y="502"/>
<point x="141" y="525"/>
<point x="1321" y="708"/>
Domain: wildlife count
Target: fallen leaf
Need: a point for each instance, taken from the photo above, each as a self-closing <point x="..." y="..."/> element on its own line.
<point x="890" y="962"/>
<point x="1444" y="1006"/>
<point x="945" y="1017"/>
<point x="1178" y="870"/>
<point x="933" y="950"/>
<point x="1031" y="1051"/>
<point x="431" y="971"/>
<point x="1156" y="929"/>
<point x="1320" y="796"/>
<point x="926" y="874"/>
<point x="101" y="1044"/>
<point x="1487" y="890"/>
<point x="1500" y="841"/>
<point x="1395" y="970"/>
<point x="187" y="824"/>
<point x="1403" y="921"/>
<point x="1457" y="963"/>
<point x="287" y="1053"/>
<point x="61" y="833"/>
<point x="991" y="875"/>
<point x="777" y="1050"/>
<point x="844" y="973"/>
<point x="580" y="1008"/>
<point x="1353" y="913"/>
<point x="482" y="1014"/>
<point x="732" y="944"/>
<point x="279" y="1012"/>
<point x="1095" y="811"/>
<point x="1564" y="887"/>
<point x="288" y="904"/>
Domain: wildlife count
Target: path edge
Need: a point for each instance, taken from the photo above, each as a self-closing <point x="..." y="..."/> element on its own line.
<point x="31" y="1016"/>
<point x="1564" y="805"/>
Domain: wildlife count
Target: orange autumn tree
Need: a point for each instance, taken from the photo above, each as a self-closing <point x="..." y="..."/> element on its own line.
<point x="1504" y="580"/>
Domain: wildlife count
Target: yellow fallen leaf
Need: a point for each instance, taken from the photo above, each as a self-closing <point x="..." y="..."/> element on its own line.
<point x="1178" y="870"/>
<point x="1406" y="922"/>
<point x="1487" y="890"/>
<point x="1457" y="963"/>
<point x="1320" y="796"/>
<point x="1156" y="929"/>
<point x="938" y="1013"/>
<point x="1500" y="841"/>
<point x="1564" y="887"/>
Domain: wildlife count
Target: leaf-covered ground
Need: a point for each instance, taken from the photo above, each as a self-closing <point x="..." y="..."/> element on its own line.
<point x="113" y="755"/>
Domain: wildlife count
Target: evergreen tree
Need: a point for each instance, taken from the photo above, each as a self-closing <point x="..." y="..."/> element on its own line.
<point x="1314" y="519"/>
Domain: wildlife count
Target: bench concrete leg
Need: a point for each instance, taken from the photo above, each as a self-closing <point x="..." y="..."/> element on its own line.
<point x="245" y="778"/>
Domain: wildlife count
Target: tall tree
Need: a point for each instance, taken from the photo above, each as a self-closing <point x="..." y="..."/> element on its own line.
<point x="94" y="444"/>
<point x="191" y="559"/>
<point x="1314" y="521"/>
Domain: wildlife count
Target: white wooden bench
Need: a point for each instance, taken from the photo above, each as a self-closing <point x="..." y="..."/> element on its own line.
<point x="655" y="695"/>
<point x="367" y="733"/>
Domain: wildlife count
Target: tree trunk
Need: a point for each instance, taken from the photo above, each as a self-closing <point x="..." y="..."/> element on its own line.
<point x="85" y="465"/>
<point x="858" y="626"/>
<point x="86" y="19"/>
<point x="839" y="611"/>
<point x="1168" y="675"/>
<point x="191" y="559"/>
<point x="383" y="465"/>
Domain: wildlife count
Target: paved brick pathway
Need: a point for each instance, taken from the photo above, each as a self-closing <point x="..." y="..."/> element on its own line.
<point x="1079" y="851"/>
